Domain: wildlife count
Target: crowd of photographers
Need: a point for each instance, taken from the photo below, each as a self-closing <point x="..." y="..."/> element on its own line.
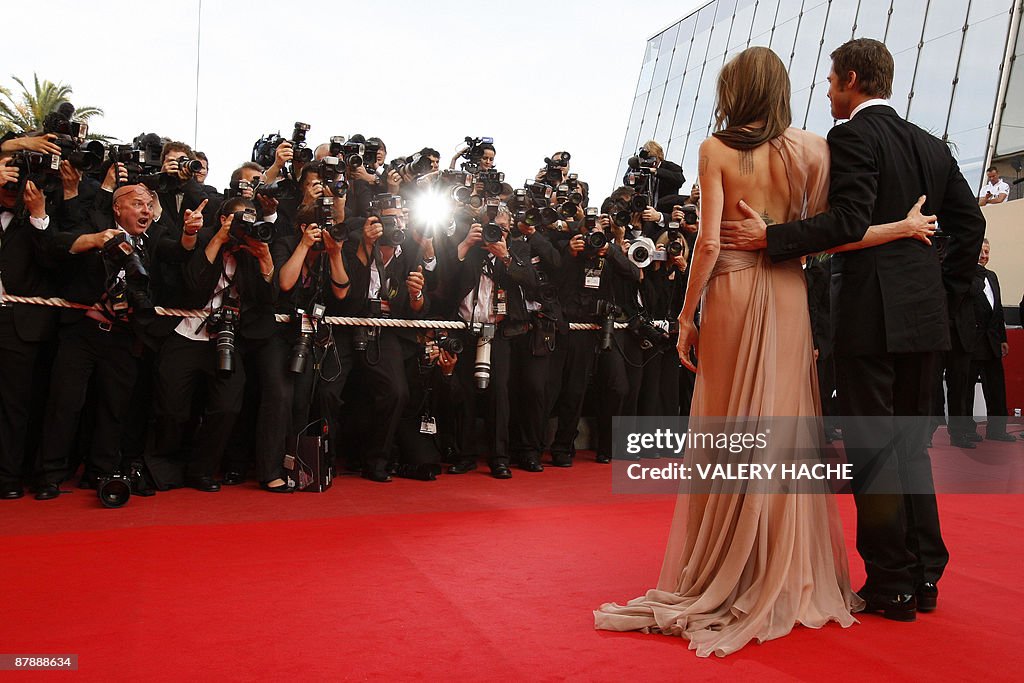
<point x="259" y="384"/>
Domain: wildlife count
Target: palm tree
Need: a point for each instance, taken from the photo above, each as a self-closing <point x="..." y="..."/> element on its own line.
<point x="25" y="111"/>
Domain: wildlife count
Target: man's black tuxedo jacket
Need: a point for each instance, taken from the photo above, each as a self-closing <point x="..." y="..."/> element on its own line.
<point x="891" y="298"/>
<point x="991" y="325"/>
<point x="25" y="269"/>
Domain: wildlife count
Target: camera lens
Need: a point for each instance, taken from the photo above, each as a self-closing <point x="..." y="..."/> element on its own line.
<point x="638" y="202"/>
<point x="674" y="249"/>
<point x="492" y="233"/>
<point x="114" y="492"/>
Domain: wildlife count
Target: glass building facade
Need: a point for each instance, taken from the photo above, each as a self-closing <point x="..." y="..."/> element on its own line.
<point x="949" y="58"/>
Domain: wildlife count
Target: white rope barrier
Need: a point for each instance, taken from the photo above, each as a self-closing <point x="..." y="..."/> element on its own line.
<point x="332" y="320"/>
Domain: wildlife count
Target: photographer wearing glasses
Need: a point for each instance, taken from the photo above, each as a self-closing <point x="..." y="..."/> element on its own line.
<point x="231" y="276"/>
<point x="100" y="346"/>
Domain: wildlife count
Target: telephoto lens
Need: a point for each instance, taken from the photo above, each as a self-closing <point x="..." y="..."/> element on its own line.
<point x="482" y="367"/>
<point x="303" y="345"/>
<point x="226" y="350"/>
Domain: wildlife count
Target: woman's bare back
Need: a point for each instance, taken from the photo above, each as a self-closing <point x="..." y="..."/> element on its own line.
<point x="757" y="176"/>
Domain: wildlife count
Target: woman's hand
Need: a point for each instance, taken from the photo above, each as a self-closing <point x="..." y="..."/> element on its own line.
<point x="916" y="225"/>
<point x="688" y="337"/>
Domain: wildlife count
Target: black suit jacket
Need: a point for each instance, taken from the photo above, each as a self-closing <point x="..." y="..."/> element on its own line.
<point x="24" y="267"/>
<point x="991" y="324"/>
<point x="891" y="298"/>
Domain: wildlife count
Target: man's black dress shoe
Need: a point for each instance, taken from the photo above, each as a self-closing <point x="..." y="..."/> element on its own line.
<point x="1001" y="437"/>
<point x="603" y="459"/>
<point x="532" y="465"/>
<point x="47" y="492"/>
<point x="974" y="436"/>
<point x="561" y="460"/>
<point x="501" y="471"/>
<point x="11" y="491"/>
<point x="232" y="478"/>
<point x="927" y="597"/>
<point x="898" y="607"/>
<point x="961" y="442"/>
<point x="206" y="484"/>
<point x="462" y="467"/>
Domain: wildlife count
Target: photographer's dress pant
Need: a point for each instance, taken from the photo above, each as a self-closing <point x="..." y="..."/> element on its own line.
<point x="17" y="361"/>
<point x="619" y="373"/>
<point x="86" y="353"/>
<point x="180" y="368"/>
<point x="993" y="385"/>
<point x="659" y="388"/>
<point x="566" y="400"/>
<point x="492" y="403"/>
<point x="318" y="390"/>
<point x="383" y="364"/>
<point x="528" y="401"/>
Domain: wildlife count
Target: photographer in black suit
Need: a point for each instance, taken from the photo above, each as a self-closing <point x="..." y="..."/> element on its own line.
<point x="24" y="224"/>
<point x="110" y="268"/>
<point x="668" y="175"/>
<point x="893" y="305"/>
<point x="990" y="347"/>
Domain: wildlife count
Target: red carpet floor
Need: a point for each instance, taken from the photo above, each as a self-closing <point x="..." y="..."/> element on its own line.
<point x="467" y="578"/>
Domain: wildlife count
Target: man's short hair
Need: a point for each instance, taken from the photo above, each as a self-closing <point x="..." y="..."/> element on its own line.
<point x="870" y="60"/>
<point x="236" y="175"/>
<point x="430" y="152"/>
<point x="175" y="146"/>
<point x="990" y="169"/>
<point x="202" y="155"/>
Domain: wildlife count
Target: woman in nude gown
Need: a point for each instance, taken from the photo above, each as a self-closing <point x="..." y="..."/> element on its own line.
<point x="744" y="563"/>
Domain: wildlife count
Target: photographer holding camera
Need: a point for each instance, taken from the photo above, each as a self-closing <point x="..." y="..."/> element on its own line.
<point x="25" y="270"/>
<point x="592" y="264"/>
<point x="668" y="175"/>
<point x="313" y="282"/>
<point x="100" y="346"/>
<point x="488" y="284"/>
<point x="232" y="278"/>
<point x="179" y="190"/>
<point x="387" y="279"/>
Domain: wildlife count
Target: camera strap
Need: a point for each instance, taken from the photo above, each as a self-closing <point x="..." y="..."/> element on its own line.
<point x="232" y="294"/>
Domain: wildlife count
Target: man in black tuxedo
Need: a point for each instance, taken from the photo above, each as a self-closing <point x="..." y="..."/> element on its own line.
<point x="990" y="347"/>
<point x="24" y="229"/>
<point x="892" y="305"/>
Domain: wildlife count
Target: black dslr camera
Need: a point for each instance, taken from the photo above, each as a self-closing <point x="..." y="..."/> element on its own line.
<point x="643" y="159"/>
<point x="394" y="229"/>
<point x="358" y="154"/>
<point x="690" y="214"/>
<point x="222" y="324"/>
<point x="245" y="224"/>
<point x="332" y="173"/>
<point x="650" y="335"/>
<point x="127" y="282"/>
<point x="553" y="172"/>
<point x="42" y="169"/>
<point x="309" y="322"/>
<point x="473" y="153"/>
<point x="492" y="181"/>
<point x="594" y="240"/>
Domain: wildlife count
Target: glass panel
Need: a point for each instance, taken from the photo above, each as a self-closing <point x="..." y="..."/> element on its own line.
<point x="808" y="42"/>
<point x="668" y="42"/>
<point x="838" y="30"/>
<point x="633" y="129"/>
<point x="689" y="163"/>
<point x="651" y="113"/>
<point x="969" y="149"/>
<point x="762" y="39"/>
<point x="701" y="35"/>
<point x="787" y="10"/>
<point x="905" y="24"/>
<point x="819" y="111"/>
<point x="706" y="97"/>
<point x="668" y="110"/>
<point x="944" y="16"/>
<point x="741" y="24"/>
<point x="983" y="9"/>
<point x="798" y="104"/>
<point x="675" y="148"/>
<point x="764" y="18"/>
<point x="687" y="97"/>
<point x="872" y="18"/>
<point x="782" y="40"/>
<point x="723" y="24"/>
<point x="975" y="96"/>
<point x="683" y="40"/>
<point x="929" y="108"/>
<point x="902" y="79"/>
<point x="647" y="70"/>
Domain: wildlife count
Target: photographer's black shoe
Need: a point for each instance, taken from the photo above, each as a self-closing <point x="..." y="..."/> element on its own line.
<point x="462" y="467"/>
<point x="47" y="492"/>
<point x="531" y="465"/>
<point x="500" y="470"/>
<point x="232" y="478"/>
<point x="11" y="491"/>
<point x="603" y="459"/>
<point x="927" y="597"/>
<point x="561" y="460"/>
<point x="206" y="484"/>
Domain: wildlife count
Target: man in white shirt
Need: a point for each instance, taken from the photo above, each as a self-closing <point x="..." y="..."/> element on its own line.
<point x="995" y="191"/>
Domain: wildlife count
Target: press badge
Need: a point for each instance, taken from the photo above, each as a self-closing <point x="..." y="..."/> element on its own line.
<point x="592" y="280"/>
<point x="500" y="302"/>
<point x="428" y="425"/>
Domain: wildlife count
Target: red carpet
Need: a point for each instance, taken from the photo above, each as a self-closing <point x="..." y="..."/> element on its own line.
<point x="467" y="578"/>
